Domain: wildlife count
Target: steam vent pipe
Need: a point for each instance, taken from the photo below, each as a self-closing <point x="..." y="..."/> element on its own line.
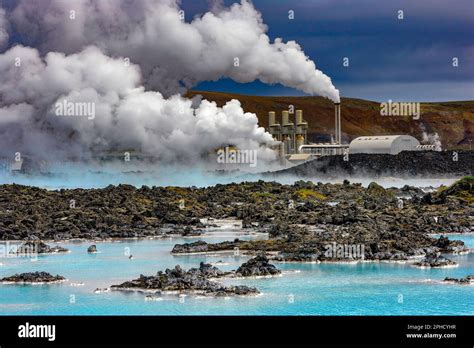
<point x="337" y="118"/>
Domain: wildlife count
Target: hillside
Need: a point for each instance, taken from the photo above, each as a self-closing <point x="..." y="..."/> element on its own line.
<point x="453" y="121"/>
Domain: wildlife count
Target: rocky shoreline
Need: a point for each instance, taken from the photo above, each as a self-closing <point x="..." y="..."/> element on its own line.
<point x="258" y="266"/>
<point x="467" y="280"/>
<point x="309" y="249"/>
<point x="305" y="222"/>
<point x="38" y="247"/>
<point x="435" y="260"/>
<point x="178" y="281"/>
<point x="200" y="280"/>
<point x="373" y="224"/>
<point x="32" y="278"/>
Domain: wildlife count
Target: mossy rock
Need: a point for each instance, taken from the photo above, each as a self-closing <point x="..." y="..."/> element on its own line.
<point x="376" y="191"/>
<point x="463" y="188"/>
<point x="177" y="190"/>
<point x="305" y="194"/>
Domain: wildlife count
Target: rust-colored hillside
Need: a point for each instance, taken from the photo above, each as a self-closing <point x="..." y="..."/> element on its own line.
<point x="453" y="121"/>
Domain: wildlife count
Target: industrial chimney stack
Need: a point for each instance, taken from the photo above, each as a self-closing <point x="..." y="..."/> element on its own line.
<point x="292" y="135"/>
<point x="337" y="123"/>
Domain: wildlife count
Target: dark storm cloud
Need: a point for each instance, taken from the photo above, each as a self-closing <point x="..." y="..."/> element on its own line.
<point x="384" y="53"/>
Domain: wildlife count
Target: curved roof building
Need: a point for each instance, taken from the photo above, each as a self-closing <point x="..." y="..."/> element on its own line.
<point x="392" y="144"/>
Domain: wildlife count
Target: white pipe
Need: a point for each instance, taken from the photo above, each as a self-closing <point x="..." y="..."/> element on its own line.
<point x="339" y="123"/>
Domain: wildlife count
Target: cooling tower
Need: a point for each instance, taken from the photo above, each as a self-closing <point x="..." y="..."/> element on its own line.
<point x="271" y="118"/>
<point x="285" y="118"/>
<point x="299" y="117"/>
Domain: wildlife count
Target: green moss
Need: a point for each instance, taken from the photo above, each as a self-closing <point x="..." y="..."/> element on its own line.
<point x="144" y="201"/>
<point x="305" y="194"/>
<point x="441" y="188"/>
<point x="466" y="195"/>
<point x="177" y="190"/>
<point x="377" y="191"/>
<point x="259" y="196"/>
<point x="463" y="188"/>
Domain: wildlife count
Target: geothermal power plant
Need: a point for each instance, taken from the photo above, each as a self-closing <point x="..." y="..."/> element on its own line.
<point x="292" y="137"/>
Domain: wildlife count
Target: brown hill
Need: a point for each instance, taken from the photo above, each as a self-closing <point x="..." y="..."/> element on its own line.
<point x="453" y="121"/>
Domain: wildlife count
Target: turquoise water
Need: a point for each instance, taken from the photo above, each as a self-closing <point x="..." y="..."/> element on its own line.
<point x="304" y="289"/>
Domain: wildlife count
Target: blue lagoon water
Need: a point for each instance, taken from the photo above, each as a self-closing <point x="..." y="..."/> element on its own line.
<point x="304" y="289"/>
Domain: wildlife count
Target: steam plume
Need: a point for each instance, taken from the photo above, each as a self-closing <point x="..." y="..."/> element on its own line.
<point x="130" y="59"/>
<point x="173" y="54"/>
<point x="3" y="29"/>
<point x="431" y="138"/>
<point x="127" y="116"/>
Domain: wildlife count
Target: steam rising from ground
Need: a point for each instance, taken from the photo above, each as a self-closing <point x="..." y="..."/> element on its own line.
<point x="431" y="138"/>
<point x="127" y="116"/>
<point x="129" y="59"/>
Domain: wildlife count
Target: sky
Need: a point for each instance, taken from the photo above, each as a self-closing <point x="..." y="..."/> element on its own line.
<point x="389" y="58"/>
<point x="131" y="61"/>
<point x="409" y="59"/>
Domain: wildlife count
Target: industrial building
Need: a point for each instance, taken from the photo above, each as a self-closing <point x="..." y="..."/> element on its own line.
<point x="293" y="138"/>
<point x="291" y="134"/>
<point x="392" y="144"/>
<point x="294" y="146"/>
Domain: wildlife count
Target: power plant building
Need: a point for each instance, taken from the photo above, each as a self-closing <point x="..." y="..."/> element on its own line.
<point x="291" y="134"/>
<point x="294" y="146"/>
<point x="390" y="144"/>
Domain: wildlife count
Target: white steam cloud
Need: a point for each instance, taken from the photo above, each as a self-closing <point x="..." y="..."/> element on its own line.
<point x="172" y="53"/>
<point x="431" y="138"/>
<point x="3" y="29"/>
<point x="129" y="59"/>
<point x="126" y="115"/>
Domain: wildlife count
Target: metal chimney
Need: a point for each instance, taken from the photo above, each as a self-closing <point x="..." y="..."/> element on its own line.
<point x="271" y="118"/>
<point x="339" y="123"/>
<point x="337" y="126"/>
<point x="285" y="118"/>
<point x="299" y="117"/>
